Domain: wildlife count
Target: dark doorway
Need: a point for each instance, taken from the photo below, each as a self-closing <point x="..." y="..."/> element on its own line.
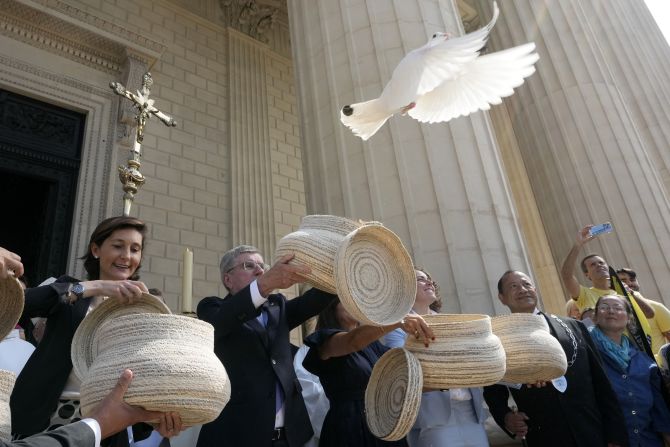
<point x="40" y="153"/>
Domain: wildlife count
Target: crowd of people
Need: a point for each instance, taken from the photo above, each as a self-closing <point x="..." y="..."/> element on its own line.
<point x="612" y="393"/>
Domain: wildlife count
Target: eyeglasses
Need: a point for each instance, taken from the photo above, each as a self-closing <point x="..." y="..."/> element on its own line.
<point x="425" y="281"/>
<point x="617" y="308"/>
<point x="249" y="265"/>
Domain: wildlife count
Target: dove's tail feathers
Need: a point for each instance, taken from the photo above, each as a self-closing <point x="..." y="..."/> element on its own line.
<point x="365" y="118"/>
<point x="484" y="81"/>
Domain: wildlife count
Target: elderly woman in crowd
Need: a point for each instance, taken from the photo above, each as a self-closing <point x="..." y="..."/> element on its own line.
<point x="46" y="394"/>
<point x="453" y="417"/>
<point x="633" y="374"/>
<point x="342" y="354"/>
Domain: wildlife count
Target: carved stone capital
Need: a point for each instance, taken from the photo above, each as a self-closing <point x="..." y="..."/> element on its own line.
<point x="249" y="17"/>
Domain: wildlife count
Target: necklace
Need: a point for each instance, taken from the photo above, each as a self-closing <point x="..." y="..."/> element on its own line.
<point x="572" y="339"/>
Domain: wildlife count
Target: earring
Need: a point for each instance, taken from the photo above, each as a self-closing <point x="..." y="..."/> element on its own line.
<point x="95" y="257"/>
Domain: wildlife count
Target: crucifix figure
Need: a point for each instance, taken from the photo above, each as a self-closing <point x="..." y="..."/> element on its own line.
<point x="130" y="175"/>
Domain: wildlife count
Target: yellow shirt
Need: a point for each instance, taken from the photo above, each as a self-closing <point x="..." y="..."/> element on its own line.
<point x="658" y="325"/>
<point x="589" y="296"/>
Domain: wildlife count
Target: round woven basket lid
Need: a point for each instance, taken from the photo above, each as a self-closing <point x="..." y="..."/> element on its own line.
<point x="374" y="275"/>
<point x="393" y="395"/>
<point x="11" y="304"/>
<point x="84" y="344"/>
<point x="7" y="379"/>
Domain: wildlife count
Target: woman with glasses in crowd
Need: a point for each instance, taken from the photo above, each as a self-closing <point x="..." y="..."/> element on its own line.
<point x="634" y="376"/>
<point x="455" y="417"/>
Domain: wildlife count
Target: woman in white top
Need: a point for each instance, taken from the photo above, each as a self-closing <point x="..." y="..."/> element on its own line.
<point x="455" y="417"/>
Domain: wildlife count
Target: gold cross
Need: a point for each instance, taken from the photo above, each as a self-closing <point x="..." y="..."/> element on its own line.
<point x="130" y="175"/>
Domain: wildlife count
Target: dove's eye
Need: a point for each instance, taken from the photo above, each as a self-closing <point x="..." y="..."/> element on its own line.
<point x="434" y="35"/>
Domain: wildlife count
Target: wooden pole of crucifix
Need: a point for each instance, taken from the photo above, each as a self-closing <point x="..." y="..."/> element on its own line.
<point x="130" y="175"/>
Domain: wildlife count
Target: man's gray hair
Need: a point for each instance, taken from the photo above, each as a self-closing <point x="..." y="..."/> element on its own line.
<point x="228" y="258"/>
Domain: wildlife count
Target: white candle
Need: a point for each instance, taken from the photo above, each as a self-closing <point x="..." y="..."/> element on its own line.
<point x="187" y="282"/>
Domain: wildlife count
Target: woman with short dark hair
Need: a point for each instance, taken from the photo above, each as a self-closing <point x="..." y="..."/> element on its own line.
<point x="46" y="394"/>
<point x="634" y="376"/>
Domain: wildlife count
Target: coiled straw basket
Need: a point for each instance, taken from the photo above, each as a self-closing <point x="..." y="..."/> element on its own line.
<point x="173" y="361"/>
<point x="7" y="379"/>
<point x="465" y="352"/>
<point x="365" y="264"/>
<point x="532" y="353"/>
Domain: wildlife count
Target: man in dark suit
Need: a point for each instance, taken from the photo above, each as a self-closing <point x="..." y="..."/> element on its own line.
<point x="251" y="337"/>
<point x="583" y="411"/>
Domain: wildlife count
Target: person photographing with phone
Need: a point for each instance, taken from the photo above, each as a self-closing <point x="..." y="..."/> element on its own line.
<point x="596" y="270"/>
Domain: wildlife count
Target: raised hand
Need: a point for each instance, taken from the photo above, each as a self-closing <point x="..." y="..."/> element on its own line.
<point x="10" y="262"/>
<point x="417" y="327"/>
<point x="282" y="275"/>
<point x="583" y="235"/>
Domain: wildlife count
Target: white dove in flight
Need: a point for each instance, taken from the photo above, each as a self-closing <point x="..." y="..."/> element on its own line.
<point x="444" y="79"/>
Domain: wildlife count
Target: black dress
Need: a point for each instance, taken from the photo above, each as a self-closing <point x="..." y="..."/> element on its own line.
<point x="344" y="380"/>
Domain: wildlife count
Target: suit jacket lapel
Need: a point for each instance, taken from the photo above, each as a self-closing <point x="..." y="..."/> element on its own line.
<point x="258" y="328"/>
<point x="552" y="328"/>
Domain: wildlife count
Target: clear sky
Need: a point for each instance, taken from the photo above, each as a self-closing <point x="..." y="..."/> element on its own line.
<point x="660" y="9"/>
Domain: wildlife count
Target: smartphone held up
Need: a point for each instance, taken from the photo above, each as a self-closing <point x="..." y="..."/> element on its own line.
<point x="601" y="229"/>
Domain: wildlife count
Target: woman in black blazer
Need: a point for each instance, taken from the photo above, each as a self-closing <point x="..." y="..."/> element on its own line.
<point x="112" y="264"/>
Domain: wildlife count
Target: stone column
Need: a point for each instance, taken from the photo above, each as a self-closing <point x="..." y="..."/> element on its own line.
<point x="440" y="187"/>
<point x="252" y="211"/>
<point x="590" y="126"/>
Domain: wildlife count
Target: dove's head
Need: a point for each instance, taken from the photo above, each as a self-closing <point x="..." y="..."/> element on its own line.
<point x="438" y="38"/>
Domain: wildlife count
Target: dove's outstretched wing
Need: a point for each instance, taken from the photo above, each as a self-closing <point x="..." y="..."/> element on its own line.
<point x="482" y="82"/>
<point x="427" y="67"/>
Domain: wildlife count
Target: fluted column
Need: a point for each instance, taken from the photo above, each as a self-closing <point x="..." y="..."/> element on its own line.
<point x="439" y="187"/>
<point x="581" y="131"/>
<point x="252" y="209"/>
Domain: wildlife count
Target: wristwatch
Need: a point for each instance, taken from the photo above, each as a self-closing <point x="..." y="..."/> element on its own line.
<point x="78" y="290"/>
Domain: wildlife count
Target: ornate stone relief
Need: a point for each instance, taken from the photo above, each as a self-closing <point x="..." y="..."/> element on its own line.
<point x="71" y="33"/>
<point x="250" y="17"/>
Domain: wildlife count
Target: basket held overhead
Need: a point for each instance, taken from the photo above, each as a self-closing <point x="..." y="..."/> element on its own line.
<point x="173" y="363"/>
<point x="315" y="245"/>
<point x="533" y="354"/>
<point x="465" y="352"/>
<point x="365" y="264"/>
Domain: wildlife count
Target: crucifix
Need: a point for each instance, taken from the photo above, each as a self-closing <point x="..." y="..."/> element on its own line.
<point x="130" y="175"/>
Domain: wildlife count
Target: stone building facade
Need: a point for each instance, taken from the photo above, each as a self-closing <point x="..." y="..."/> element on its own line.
<point x="256" y="88"/>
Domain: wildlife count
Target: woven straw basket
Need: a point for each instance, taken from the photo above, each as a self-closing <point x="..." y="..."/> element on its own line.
<point x="11" y="304"/>
<point x="173" y="363"/>
<point x="465" y="352"/>
<point x="7" y="379"/>
<point x="366" y="265"/>
<point x="84" y="343"/>
<point x="393" y="395"/>
<point x="533" y="354"/>
<point x="315" y="244"/>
